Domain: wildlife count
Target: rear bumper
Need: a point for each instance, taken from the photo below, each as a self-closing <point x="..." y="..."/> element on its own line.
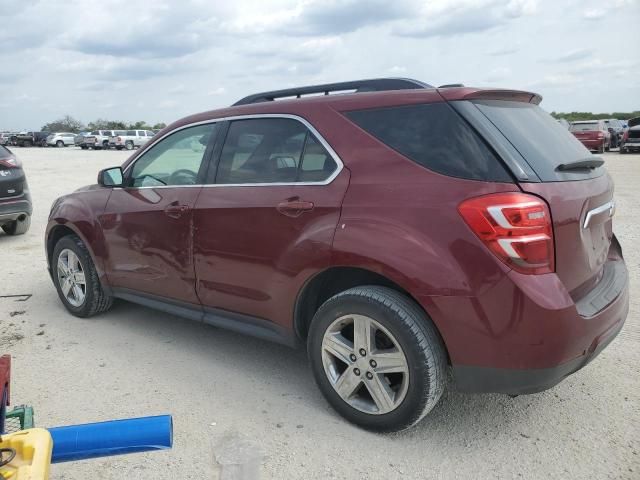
<point x="525" y="381"/>
<point x="526" y="333"/>
<point x="11" y="209"/>
<point x="592" y="144"/>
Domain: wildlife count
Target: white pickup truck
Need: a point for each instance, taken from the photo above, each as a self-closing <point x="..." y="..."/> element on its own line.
<point x="98" y="139"/>
<point x="130" y="139"/>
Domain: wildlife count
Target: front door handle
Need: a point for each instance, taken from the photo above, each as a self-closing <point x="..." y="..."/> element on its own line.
<point x="294" y="207"/>
<point x="175" y="210"/>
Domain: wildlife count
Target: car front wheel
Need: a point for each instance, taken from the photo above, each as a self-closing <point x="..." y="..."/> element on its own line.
<point x="377" y="358"/>
<point x="76" y="278"/>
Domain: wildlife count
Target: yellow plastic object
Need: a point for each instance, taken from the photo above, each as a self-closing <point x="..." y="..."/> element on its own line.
<point x="33" y="454"/>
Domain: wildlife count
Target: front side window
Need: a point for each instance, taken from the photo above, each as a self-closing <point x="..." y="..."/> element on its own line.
<point x="272" y="150"/>
<point x="174" y="160"/>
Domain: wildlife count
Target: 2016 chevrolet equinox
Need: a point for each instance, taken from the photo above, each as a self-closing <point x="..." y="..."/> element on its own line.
<point x="399" y="230"/>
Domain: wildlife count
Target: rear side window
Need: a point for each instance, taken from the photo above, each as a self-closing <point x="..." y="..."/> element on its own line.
<point x="272" y="150"/>
<point x="317" y="165"/>
<point x="434" y="136"/>
<point x="541" y="141"/>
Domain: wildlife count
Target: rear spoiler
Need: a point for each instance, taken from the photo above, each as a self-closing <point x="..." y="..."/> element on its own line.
<point x="494" y="94"/>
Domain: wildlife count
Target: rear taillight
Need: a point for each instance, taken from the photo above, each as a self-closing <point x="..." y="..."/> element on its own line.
<point x="10" y="162"/>
<point x="514" y="226"/>
<point x="625" y="135"/>
<point x="600" y="134"/>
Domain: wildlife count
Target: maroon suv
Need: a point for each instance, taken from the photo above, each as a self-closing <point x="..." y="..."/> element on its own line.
<point x="400" y="231"/>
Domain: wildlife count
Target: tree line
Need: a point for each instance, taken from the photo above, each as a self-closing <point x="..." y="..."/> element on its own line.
<point x="70" y="124"/>
<point x="574" y="116"/>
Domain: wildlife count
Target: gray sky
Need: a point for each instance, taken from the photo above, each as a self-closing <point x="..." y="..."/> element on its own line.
<point x="160" y="60"/>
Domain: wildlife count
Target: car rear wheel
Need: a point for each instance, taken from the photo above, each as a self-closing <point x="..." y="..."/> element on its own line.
<point x="59" y="144"/>
<point x="377" y="358"/>
<point x="128" y="145"/>
<point x="76" y="278"/>
<point x="17" y="227"/>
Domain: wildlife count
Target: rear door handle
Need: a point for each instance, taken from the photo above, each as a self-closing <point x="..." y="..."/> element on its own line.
<point x="294" y="207"/>
<point x="176" y="211"/>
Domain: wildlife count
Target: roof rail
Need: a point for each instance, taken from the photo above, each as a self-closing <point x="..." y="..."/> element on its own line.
<point x="372" y="85"/>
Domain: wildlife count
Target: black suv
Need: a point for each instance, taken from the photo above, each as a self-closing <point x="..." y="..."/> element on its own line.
<point x="15" y="201"/>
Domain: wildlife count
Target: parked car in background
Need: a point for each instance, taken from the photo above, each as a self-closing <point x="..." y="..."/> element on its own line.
<point x="28" y="139"/>
<point x="79" y="140"/>
<point x="631" y="138"/>
<point x="400" y="234"/>
<point x="40" y="138"/>
<point x="130" y="139"/>
<point x="99" y="139"/>
<point x="593" y="134"/>
<point x="5" y="137"/>
<point x="61" y="139"/>
<point x="616" y="128"/>
<point x="15" y="201"/>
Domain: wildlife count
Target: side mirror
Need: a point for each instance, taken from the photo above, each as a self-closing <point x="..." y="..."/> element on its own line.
<point x="111" y="177"/>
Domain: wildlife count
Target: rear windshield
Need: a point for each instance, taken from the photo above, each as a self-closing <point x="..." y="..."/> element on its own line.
<point x="436" y="137"/>
<point x="543" y="143"/>
<point x="4" y="153"/>
<point x="584" y="127"/>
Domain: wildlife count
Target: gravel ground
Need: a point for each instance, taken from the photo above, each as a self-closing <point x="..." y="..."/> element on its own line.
<point x="236" y="396"/>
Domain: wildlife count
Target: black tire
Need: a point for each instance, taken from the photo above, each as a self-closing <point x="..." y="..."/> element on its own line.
<point x="128" y="145"/>
<point x="17" y="227"/>
<point x="119" y="148"/>
<point x="84" y="147"/>
<point x="105" y="145"/>
<point x="59" y="144"/>
<point x="96" y="301"/>
<point x="601" y="148"/>
<point x="415" y="333"/>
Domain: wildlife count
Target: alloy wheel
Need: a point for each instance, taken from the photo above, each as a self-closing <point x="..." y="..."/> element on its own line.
<point x="365" y="364"/>
<point x="71" y="278"/>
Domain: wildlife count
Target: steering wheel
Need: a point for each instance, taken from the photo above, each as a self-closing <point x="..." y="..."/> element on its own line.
<point x="183" y="176"/>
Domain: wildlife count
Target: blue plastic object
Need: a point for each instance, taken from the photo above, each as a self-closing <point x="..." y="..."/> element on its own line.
<point x="116" y="437"/>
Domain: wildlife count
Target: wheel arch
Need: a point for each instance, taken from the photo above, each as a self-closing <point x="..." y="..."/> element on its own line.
<point x="61" y="230"/>
<point x="333" y="280"/>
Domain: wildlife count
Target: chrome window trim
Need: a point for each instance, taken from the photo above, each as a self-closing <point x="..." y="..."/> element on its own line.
<point x="325" y="144"/>
<point x="610" y="206"/>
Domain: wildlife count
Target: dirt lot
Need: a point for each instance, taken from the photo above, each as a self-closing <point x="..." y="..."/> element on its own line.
<point x="237" y="396"/>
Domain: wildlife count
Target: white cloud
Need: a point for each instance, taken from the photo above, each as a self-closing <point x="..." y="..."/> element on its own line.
<point x="173" y="58"/>
<point x="594" y="13"/>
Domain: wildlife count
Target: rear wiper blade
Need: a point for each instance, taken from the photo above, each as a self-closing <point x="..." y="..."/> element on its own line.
<point x="584" y="164"/>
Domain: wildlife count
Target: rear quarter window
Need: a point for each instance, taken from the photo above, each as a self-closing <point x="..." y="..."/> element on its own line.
<point x="434" y="136"/>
